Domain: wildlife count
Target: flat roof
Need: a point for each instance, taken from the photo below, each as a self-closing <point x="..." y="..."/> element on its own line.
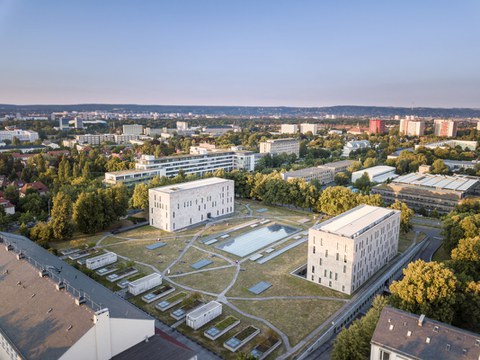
<point x="338" y="164"/>
<point x="458" y="183"/>
<point x="376" y="170"/>
<point x="278" y="140"/>
<point x="355" y="221"/>
<point x="190" y="185"/>
<point x="117" y="306"/>
<point x="203" y="309"/>
<point x="148" y="277"/>
<point x="400" y="331"/>
<point x="306" y="171"/>
<point x="41" y="322"/>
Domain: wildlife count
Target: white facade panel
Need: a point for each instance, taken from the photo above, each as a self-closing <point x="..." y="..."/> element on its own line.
<point x="196" y="319"/>
<point x="144" y="284"/>
<point x="101" y="260"/>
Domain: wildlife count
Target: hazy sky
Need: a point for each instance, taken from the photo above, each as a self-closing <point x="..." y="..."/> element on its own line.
<point x="227" y="52"/>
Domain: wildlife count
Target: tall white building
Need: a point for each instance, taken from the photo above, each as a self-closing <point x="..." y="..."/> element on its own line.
<point x="347" y="250"/>
<point x="178" y="206"/>
<point x="289" y="128"/>
<point x="445" y="128"/>
<point x="412" y="127"/>
<point x="304" y="128"/>
<point x="134" y="129"/>
<point x="280" y="146"/>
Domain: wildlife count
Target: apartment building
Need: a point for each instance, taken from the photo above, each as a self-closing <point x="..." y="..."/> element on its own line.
<point x="289" y="128"/>
<point x="182" y="125"/>
<point x="133" y="129"/>
<point x="178" y="206"/>
<point x="377" y="126"/>
<point x="94" y="139"/>
<point x="305" y="128"/>
<point x="344" y="252"/>
<point x="280" y="146"/>
<point x="400" y="335"/>
<point x="21" y="135"/>
<point x="428" y="191"/>
<point x="412" y="127"/>
<point x="445" y="128"/>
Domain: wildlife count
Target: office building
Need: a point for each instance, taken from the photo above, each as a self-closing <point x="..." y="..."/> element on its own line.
<point x="347" y="250"/>
<point x="445" y="128"/>
<point x="289" y="128"/>
<point x="63" y="123"/>
<point x="78" y="123"/>
<point x="182" y="125"/>
<point x="377" y="126"/>
<point x="280" y="146"/>
<point x="428" y="191"/>
<point x="305" y="128"/>
<point x="125" y="138"/>
<point x="324" y="173"/>
<point x="464" y="144"/>
<point x="133" y="129"/>
<point x="400" y="335"/>
<point x="338" y="166"/>
<point x="412" y="127"/>
<point x="376" y="174"/>
<point x="178" y="206"/>
<point x="21" y="135"/>
<point x="355" y="145"/>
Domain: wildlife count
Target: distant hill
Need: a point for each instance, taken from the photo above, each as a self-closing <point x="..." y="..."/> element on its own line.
<point x="345" y="110"/>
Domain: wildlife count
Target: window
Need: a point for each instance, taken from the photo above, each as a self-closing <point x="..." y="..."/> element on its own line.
<point x="313" y="269"/>
<point x="326" y="253"/>
<point x="336" y="276"/>
<point x="344" y="269"/>
<point x="384" y="355"/>
<point x="320" y="263"/>
<point x="314" y="249"/>
<point x="312" y="278"/>
<point x="319" y="280"/>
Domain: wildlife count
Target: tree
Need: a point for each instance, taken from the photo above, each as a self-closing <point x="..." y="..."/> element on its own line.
<point x="341" y="179"/>
<point x="369" y="162"/>
<point x="405" y="216"/>
<point x="61" y="221"/>
<point x="357" y="165"/>
<point x="88" y="213"/>
<point x="466" y="257"/>
<point x="439" y="167"/>
<point x="354" y="342"/>
<point x="427" y="288"/>
<point x="41" y="233"/>
<point x="336" y="200"/>
<point x="363" y="182"/>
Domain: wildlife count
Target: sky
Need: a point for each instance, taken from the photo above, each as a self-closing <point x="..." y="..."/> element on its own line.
<point x="243" y="52"/>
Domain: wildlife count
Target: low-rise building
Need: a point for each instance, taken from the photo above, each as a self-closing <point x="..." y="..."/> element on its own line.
<point x="144" y="284"/>
<point x="99" y="261"/>
<point x="324" y="173"/>
<point x="7" y="206"/>
<point x="280" y="146"/>
<point x="38" y="186"/>
<point x="464" y="144"/>
<point x="428" y="191"/>
<point x="178" y="206"/>
<point x="338" y="166"/>
<point x="305" y="128"/>
<point x="21" y="135"/>
<point x="400" y="335"/>
<point x="345" y="251"/>
<point x="355" y="145"/>
<point x="454" y="165"/>
<point x="133" y="129"/>
<point x="203" y="315"/>
<point x="289" y="128"/>
<point x="376" y="174"/>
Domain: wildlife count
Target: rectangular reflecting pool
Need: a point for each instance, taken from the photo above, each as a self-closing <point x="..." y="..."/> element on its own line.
<point x="254" y="240"/>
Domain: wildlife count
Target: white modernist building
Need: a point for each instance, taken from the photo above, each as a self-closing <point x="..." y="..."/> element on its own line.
<point x="324" y="173"/>
<point x="376" y="174"/>
<point x="199" y="164"/>
<point x="178" y="206"/>
<point x="347" y="250"/>
<point x="412" y="127"/>
<point x="203" y="315"/>
<point x="355" y="145"/>
<point x="133" y="129"/>
<point x="22" y="135"/>
<point x="101" y="260"/>
<point x="280" y="146"/>
<point x="289" y="128"/>
<point x="464" y="144"/>
<point x="144" y="284"/>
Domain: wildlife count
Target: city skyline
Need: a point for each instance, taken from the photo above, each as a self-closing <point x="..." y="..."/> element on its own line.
<point x="248" y="54"/>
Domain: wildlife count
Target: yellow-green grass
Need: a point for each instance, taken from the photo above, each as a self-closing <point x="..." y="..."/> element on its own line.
<point x="277" y="272"/>
<point x="160" y="257"/>
<point x="192" y="256"/>
<point x="441" y="254"/>
<point x="144" y="232"/>
<point x="110" y="240"/>
<point x="405" y="240"/>
<point x="217" y="345"/>
<point x="296" y="318"/>
<point x="78" y="240"/>
<point x="214" y="281"/>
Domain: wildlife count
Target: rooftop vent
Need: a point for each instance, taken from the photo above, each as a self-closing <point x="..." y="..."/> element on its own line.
<point x="80" y="300"/>
<point x="8" y="247"/>
<point x="20" y="256"/>
<point x="43" y="273"/>
<point x="421" y="319"/>
<point x="390" y="327"/>
<point x="409" y="333"/>
<point x="464" y="351"/>
<point x="60" y="285"/>
<point x="477" y="342"/>
<point x="448" y="347"/>
<point x="427" y="340"/>
<point x="49" y="310"/>
<point x="435" y="328"/>
<point x="69" y="327"/>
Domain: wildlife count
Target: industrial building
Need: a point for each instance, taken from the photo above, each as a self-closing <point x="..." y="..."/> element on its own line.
<point x="99" y="261"/>
<point x="144" y="284"/>
<point x="355" y="145"/>
<point x="178" y="206"/>
<point x="203" y="315"/>
<point x="376" y="174"/>
<point x="400" y="335"/>
<point x="464" y="144"/>
<point x="345" y="251"/>
<point x="198" y="164"/>
<point x="280" y="146"/>
<point x="445" y="128"/>
<point x="428" y="191"/>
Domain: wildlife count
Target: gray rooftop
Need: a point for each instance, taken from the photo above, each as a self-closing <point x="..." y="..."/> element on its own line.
<point x="100" y="295"/>
<point x="191" y="185"/>
<point x="458" y="183"/>
<point x="355" y="221"/>
<point x="306" y="172"/>
<point x="204" y="309"/>
<point x="34" y="315"/>
<point x="339" y="164"/>
<point x="399" y="331"/>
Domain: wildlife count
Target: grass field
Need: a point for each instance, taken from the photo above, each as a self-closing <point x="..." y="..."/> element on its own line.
<point x="214" y="281"/>
<point x="193" y="255"/>
<point x="441" y="254"/>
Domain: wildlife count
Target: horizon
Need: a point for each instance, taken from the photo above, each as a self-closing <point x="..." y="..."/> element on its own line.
<point x="259" y="54"/>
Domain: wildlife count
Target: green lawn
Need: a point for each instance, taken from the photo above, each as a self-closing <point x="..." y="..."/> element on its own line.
<point x="441" y="254"/>
<point x="214" y="281"/>
<point x="193" y="255"/>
